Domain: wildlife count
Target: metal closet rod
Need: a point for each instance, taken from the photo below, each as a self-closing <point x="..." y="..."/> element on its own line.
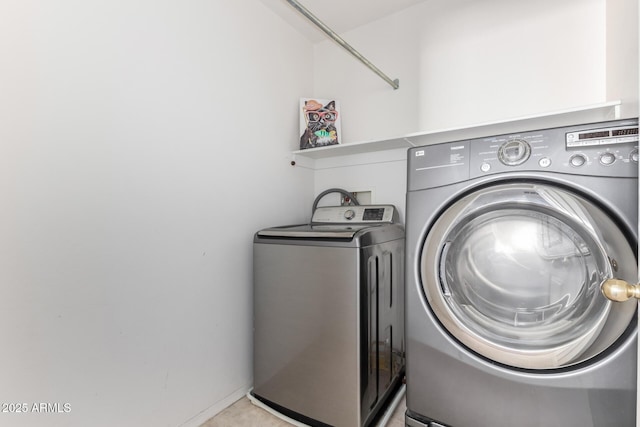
<point x="329" y="32"/>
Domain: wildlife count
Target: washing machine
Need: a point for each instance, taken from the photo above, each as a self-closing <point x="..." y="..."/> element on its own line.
<point x="509" y="239"/>
<point x="328" y="346"/>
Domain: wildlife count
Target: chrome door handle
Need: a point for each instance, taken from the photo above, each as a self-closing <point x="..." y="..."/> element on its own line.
<point x="619" y="290"/>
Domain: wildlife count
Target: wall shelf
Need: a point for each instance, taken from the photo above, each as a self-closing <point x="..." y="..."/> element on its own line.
<point x="585" y="114"/>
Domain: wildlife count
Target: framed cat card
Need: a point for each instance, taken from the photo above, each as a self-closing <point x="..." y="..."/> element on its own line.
<point x="319" y="123"/>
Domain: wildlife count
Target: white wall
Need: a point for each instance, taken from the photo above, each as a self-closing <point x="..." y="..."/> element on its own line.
<point x="622" y="54"/>
<point x="382" y="173"/>
<point x="465" y="62"/>
<point x="511" y="59"/>
<point x="141" y="145"/>
<point x="370" y="108"/>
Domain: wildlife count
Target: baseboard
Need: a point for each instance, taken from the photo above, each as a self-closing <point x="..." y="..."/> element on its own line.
<point x="216" y="408"/>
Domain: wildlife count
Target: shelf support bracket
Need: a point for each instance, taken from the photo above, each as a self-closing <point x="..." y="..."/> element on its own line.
<point x="335" y="37"/>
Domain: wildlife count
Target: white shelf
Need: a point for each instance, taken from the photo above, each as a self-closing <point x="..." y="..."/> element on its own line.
<point x="353" y="148"/>
<point x="586" y="114"/>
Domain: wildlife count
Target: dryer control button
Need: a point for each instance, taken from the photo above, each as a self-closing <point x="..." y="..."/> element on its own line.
<point x="485" y="167"/>
<point x="634" y="156"/>
<point x="544" y="162"/>
<point x="577" y="160"/>
<point x="607" y="158"/>
<point x="349" y="214"/>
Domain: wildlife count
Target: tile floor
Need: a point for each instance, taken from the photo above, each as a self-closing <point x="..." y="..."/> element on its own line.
<point x="243" y="413"/>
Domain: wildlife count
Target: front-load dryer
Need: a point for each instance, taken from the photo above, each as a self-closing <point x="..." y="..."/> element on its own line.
<point x="509" y="239"/>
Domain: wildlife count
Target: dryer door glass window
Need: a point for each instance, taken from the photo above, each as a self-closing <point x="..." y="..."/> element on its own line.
<point x="514" y="273"/>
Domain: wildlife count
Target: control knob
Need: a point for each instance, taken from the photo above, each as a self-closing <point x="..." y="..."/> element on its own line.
<point x="577" y="160"/>
<point x="607" y="158"/>
<point x="514" y="152"/>
<point x="349" y="214"/>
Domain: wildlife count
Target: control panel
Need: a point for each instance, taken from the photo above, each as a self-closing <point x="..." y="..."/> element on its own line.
<point x="584" y="141"/>
<point x="607" y="149"/>
<point x="362" y="214"/>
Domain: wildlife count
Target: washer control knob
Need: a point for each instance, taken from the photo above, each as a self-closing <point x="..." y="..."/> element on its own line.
<point x="514" y="152"/>
<point x="577" y="160"/>
<point x="633" y="156"/>
<point x="607" y="158"/>
<point x="349" y="214"/>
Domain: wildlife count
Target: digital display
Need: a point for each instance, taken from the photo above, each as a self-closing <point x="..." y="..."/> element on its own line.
<point x="623" y="132"/>
<point x="373" y="214"/>
<point x="590" y="135"/>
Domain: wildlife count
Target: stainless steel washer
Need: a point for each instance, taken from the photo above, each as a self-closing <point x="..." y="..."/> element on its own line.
<point x="509" y="239"/>
<point x="329" y="315"/>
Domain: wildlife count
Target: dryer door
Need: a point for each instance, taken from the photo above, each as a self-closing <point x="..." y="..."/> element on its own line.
<point x="513" y="272"/>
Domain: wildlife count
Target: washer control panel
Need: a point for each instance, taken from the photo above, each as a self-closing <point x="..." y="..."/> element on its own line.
<point x="601" y="149"/>
<point x="607" y="149"/>
<point x="607" y="138"/>
<point x="362" y="214"/>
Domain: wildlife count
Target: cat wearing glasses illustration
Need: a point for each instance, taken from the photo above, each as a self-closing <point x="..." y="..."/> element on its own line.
<point x="320" y="124"/>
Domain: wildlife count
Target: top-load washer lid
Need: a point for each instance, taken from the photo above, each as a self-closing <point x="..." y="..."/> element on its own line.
<point x="309" y="231"/>
<point x="337" y="222"/>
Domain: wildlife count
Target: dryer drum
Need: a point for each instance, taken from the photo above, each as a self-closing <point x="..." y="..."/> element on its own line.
<point x="513" y="272"/>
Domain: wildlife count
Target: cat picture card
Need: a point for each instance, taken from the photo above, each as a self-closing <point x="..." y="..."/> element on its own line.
<point x="319" y="123"/>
